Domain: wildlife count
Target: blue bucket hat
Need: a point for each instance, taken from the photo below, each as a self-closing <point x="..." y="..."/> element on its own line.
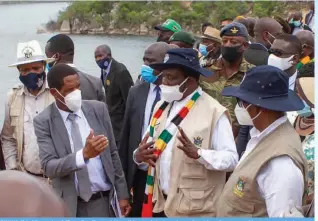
<point x="267" y="87"/>
<point x="185" y="58"/>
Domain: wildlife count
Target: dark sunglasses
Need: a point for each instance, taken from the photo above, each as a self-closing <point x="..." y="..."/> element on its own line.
<point x="306" y="46"/>
<point x="278" y="53"/>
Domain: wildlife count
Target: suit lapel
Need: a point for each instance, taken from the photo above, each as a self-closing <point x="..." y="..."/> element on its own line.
<point x="142" y="100"/>
<point x="97" y="126"/>
<point x="58" y="123"/>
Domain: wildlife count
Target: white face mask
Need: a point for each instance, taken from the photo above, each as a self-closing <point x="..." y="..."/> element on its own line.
<point x="171" y="93"/>
<point x="73" y="100"/>
<point x="281" y="63"/>
<point x="243" y="116"/>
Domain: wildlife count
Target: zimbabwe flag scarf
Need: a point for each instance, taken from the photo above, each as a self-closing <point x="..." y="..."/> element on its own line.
<point x="160" y="145"/>
<point x="302" y="62"/>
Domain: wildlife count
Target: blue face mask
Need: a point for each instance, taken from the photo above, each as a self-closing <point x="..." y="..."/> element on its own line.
<point x="297" y="23"/>
<point x="48" y="67"/>
<point x="203" y="49"/>
<point x="33" y="80"/>
<point x="103" y="64"/>
<point x="147" y="73"/>
<point x="306" y="112"/>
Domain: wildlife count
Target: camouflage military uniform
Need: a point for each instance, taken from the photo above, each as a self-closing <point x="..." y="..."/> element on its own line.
<point x="215" y="86"/>
<point x="206" y="61"/>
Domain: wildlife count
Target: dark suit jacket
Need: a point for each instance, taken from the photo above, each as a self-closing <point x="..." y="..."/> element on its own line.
<point x="242" y="139"/>
<point x="91" y="87"/>
<point x="117" y="85"/>
<point x="2" y="163"/>
<point x="58" y="161"/>
<point x="132" y="128"/>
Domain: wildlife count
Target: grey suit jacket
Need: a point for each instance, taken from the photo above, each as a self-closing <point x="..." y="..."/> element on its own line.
<point x="59" y="163"/>
<point x="91" y="87"/>
<point x="132" y="128"/>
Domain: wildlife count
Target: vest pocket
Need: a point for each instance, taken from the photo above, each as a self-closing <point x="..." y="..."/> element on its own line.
<point x="241" y="208"/>
<point x="192" y="201"/>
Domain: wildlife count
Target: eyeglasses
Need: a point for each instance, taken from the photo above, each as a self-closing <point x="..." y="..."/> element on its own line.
<point x="306" y="46"/>
<point x="278" y="53"/>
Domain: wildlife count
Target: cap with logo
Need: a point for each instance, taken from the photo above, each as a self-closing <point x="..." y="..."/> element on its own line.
<point x="169" y="25"/>
<point x="212" y="34"/>
<point x="29" y="52"/>
<point x="184" y="37"/>
<point x="234" y="29"/>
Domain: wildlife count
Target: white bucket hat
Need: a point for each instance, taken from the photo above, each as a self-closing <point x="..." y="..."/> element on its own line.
<point x="29" y="52"/>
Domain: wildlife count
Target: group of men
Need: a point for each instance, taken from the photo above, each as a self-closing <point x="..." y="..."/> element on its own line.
<point x="202" y="133"/>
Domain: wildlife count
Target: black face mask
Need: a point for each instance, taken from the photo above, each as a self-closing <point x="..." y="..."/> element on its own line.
<point x="231" y="54"/>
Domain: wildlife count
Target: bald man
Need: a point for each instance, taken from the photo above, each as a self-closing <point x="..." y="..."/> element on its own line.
<point x="140" y="104"/>
<point x="266" y="30"/>
<point x="23" y="195"/>
<point x="307" y="39"/>
<point x="117" y="82"/>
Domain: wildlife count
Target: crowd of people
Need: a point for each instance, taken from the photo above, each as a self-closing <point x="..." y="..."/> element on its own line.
<point x="217" y="125"/>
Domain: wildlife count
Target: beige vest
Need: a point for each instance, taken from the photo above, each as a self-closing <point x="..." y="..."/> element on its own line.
<point x="16" y="112"/>
<point x="193" y="189"/>
<point x="240" y="197"/>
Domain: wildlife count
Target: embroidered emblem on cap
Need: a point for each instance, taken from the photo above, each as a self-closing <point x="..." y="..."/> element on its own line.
<point x="166" y="58"/>
<point x="27" y="51"/>
<point x="239" y="187"/>
<point x="198" y="141"/>
<point x="234" y="30"/>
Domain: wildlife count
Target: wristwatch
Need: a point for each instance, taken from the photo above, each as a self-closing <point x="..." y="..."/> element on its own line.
<point x="199" y="153"/>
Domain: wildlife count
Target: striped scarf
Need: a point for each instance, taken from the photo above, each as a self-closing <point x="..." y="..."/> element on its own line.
<point x="302" y="62"/>
<point x="161" y="144"/>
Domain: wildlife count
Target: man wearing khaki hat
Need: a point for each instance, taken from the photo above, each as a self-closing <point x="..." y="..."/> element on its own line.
<point x="210" y="47"/>
<point x="24" y="102"/>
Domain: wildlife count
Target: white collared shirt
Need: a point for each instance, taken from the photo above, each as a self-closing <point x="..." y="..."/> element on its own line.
<point x="222" y="157"/>
<point x="280" y="180"/>
<point x="95" y="168"/>
<point x="150" y="99"/>
<point x="292" y="81"/>
<point x="33" y="105"/>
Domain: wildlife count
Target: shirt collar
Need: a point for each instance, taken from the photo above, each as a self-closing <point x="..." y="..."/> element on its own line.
<point x="259" y="135"/>
<point x="108" y="67"/>
<point x="292" y="81"/>
<point x="152" y="87"/>
<point x="45" y="87"/>
<point x="71" y="65"/>
<point x="64" y="114"/>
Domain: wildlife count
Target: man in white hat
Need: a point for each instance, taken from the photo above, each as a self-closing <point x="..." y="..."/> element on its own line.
<point x="25" y="101"/>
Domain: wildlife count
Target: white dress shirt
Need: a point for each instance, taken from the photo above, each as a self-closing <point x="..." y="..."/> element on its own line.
<point x="292" y="81"/>
<point x="221" y="156"/>
<point x="280" y="180"/>
<point x="95" y="168"/>
<point x="150" y="99"/>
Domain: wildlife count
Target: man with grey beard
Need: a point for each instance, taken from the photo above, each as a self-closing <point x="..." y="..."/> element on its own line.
<point x="141" y="101"/>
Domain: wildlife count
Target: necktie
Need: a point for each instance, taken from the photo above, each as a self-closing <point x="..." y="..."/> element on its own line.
<point x="157" y="98"/>
<point x="84" y="185"/>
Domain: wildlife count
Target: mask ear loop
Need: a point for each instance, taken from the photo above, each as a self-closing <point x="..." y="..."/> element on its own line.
<point x="256" y="115"/>
<point x="182" y="84"/>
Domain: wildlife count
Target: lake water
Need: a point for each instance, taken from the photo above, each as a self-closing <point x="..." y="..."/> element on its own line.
<point x="19" y="23"/>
